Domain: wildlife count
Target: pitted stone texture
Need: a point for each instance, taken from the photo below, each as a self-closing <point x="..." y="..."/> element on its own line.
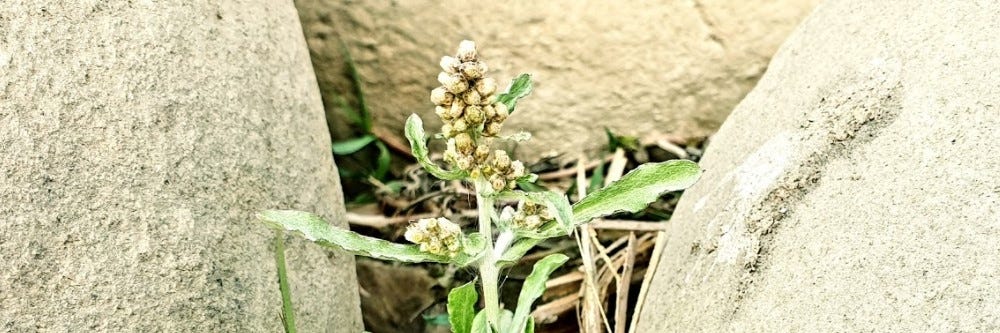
<point x="139" y="138"/>
<point x="639" y="68"/>
<point x="856" y="188"/>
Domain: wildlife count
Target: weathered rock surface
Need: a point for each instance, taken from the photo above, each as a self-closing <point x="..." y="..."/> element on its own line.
<point x="640" y="68"/>
<point x="138" y="140"/>
<point x="855" y="189"/>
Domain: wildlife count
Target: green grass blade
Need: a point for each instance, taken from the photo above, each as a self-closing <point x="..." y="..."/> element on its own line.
<point x="351" y="146"/>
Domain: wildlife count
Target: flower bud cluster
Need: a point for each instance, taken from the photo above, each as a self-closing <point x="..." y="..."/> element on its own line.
<point x="467" y="103"/>
<point x="436" y="235"/>
<point x="530" y="216"/>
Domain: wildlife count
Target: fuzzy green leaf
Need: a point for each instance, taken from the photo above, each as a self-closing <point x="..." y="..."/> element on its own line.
<point x="383" y="162"/>
<point x="461" y="307"/>
<point x="637" y="189"/>
<point x="418" y="145"/>
<point x="533" y="288"/>
<point x="317" y="230"/>
<point x="351" y="146"/>
<point x="520" y="87"/>
<point x="479" y="324"/>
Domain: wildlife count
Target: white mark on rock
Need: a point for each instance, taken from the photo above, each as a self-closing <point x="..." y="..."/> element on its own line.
<point x="5" y="58"/>
<point x="753" y="178"/>
<point x="700" y="204"/>
<point x="763" y="167"/>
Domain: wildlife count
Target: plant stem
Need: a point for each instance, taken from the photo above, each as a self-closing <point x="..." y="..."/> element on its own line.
<point x="488" y="270"/>
<point x="287" y="313"/>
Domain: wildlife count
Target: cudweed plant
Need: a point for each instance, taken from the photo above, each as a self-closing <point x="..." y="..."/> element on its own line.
<point x="511" y="221"/>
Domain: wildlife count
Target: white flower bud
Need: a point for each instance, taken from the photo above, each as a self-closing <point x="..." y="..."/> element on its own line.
<point x="463" y="141"/>
<point x="482" y="152"/>
<point x="487" y="86"/>
<point x="498" y="183"/>
<point x="507" y="213"/>
<point x="457" y="107"/>
<point x="467" y="51"/>
<point x="473" y="70"/>
<point x="516" y="170"/>
<point x="455" y="83"/>
<point x="501" y="161"/>
<point x="447" y="130"/>
<point x="464" y="163"/>
<point x="474" y="114"/>
<point x="459" y="125"/>
<point x="441" y="96"/>
<point x="489" y="112"/>
<point x="532" y="221"/>
<point x="471" y="97"/>
<point x="502" y="113"/>
<point x="492" y="129"/>
<point x="442" y="112"/>
<point x="450" y="64"/>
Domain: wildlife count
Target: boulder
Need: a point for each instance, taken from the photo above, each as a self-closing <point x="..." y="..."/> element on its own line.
<point x="642" y="68"/>
<point x="139" y="138"/>
<point x="856" y="188"/>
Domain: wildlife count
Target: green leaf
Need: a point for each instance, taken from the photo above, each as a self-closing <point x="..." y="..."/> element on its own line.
<point x="597" y="179"/>
<point x="629" y="143"/>
<point x="317" y="230"/>
<point x="520" y="87"/>
<point x="351" y="146"/>
<point x="637" y="189"/>
<point x="506" y="319"/>
<point x="461" y="307"/>
<point x="479" y="324"/>
<point x="384" y="158"/>
<point x="533" y="288"/>
<point x="517" y="250"/>
<point x="530" y="328"/>
<point x="418" y="145"/>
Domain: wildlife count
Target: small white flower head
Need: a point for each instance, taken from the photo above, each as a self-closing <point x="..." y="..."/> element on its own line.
<point x="463" y="141"/>
<point x="450" y="65"/>
<point x="498" y="183"/>
<point x="460" y="125"/>
<point x="467" y="51"/>
<point x="472" y="97"/>
<point x="501" y="161"/>
<point x="474" y="114"/>
<point x="482" y="153"/>
<point x="492" y="129"/>
<point x="441" y="96"/>
<point x="486" y="86"/>
<point x="443" y="112"/>
<point x="502" y="113"/>
<point x="436" y="235"/>
<point x="457" y="108"/>
<point x="455" y="83"/>
<point x="473" y="70"/>
<point x="516" y="170"/>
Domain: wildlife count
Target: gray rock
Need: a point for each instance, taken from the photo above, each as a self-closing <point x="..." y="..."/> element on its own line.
<point x="855" y="189"/>
<point x="139" y="138"/>
<point x="645" y="68"/>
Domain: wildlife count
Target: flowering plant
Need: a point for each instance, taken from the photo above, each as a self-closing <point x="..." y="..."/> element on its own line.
<point x="473" y="112"/>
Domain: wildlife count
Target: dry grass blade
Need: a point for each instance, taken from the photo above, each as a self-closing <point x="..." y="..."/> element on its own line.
<point x="628" y="225"/>
<point x="621" y="304"/>
<point x="617" y="167"/>
<point x="654" y="261"/>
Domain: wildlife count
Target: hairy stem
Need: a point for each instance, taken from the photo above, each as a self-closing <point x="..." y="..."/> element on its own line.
<point x="488" y="270"/>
